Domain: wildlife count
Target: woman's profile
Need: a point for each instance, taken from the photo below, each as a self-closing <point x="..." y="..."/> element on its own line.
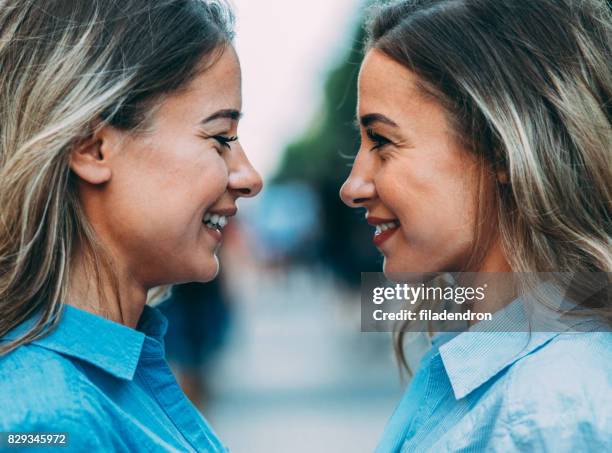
<point x="119" y="167"/>
<point x="486" y="148"/>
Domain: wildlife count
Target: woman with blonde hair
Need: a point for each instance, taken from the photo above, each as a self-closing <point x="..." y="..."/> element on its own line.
<point x="119" y="168"/>
<point x="487" y="148"/>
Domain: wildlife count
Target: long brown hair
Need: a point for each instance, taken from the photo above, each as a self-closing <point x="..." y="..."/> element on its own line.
<point x="527" y="87"/>
<point x="66" y="65"/>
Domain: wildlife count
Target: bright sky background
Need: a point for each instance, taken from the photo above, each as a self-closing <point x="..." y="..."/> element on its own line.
<point x="286" y="48"/>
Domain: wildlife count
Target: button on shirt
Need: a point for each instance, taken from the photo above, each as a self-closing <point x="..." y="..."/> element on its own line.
<point x="507" y="391"/>
<point x="106" y="385"/>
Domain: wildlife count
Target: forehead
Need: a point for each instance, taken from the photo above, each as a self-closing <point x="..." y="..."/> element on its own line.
<point x="388" y="88"/>
<point x="224" y="72"/>
<point x="218" y="87"/>
<point x="384" y="84"/>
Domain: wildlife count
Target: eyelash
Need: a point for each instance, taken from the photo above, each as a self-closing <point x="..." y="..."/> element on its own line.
<point x="224" y="141"/>
<point x="379" y="140"/>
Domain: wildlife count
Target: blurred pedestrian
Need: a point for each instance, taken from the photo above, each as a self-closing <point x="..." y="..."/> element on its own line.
<point x="199" y="317"/>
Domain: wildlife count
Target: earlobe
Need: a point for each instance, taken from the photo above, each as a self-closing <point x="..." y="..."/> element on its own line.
<point x="88" y="160"/>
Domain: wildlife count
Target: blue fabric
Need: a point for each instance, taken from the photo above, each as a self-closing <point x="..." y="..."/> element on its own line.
<point x="507" y="391"/>
<point x="196" y="330"/>
<point x="107" y="385"/>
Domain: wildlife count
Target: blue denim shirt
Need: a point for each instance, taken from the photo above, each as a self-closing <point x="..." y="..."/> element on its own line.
<point x="505" y="392"/>
<point x="108" y="386"/>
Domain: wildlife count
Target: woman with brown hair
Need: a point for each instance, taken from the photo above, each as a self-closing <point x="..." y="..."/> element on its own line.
<point x="119" y="168"/>
<point x="486" y="148"/>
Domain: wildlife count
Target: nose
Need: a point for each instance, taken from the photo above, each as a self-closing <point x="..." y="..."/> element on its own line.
<point x="359" y="188"/>
<point x="243" y="180"/>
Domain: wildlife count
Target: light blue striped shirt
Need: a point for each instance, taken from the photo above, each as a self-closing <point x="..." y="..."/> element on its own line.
<point x="505" y="392"/>
<point x="108" y="386"/>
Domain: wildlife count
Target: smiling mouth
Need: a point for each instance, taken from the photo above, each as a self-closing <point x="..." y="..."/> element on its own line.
<point x="385" y="228"/>
<point x="215" y="221"/>
<point x="382" y="227"/>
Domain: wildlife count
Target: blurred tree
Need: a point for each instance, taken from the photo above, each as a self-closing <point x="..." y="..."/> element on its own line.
<point x="322" y="158"/>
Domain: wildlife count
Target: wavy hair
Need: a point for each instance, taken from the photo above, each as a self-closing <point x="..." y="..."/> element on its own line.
<point x="527" y="87"/>
<point x="67" y="65"/>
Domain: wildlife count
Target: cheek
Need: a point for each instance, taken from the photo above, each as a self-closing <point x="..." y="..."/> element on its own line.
<point x="193" y="179"/>
<point x="434" y="203"/>
<point x="161" y="198"/>
<point x="205" y="183"/>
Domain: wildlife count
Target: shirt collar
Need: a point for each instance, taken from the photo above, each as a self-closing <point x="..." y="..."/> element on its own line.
<point x="106" y="344"/>
<point x="473" y="357"/>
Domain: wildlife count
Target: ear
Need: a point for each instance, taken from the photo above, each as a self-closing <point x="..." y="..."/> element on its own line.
<point x="89" y="159"/>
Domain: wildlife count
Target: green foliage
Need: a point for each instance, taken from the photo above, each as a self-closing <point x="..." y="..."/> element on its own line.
<point x="324" y="153"/>
<point x="322" y="158"/>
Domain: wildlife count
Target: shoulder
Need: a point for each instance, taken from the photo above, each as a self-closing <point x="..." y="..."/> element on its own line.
<point x="575" y="365"/>
<point x="41" y="390"/>
<point x="34" y="377"/>
<point x="561" y="393"/>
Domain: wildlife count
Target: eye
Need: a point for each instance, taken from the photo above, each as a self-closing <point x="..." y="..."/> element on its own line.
<point x="224" y="141"/>
<point x="378" y="140"/>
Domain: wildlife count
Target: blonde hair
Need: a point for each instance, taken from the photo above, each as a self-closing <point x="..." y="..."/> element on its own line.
<point x="527" y="87"/>
<point x="65" y="66"/>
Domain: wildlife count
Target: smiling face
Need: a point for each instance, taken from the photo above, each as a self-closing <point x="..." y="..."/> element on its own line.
<point x="416" y="182"/>
<point x="158" y="199"/>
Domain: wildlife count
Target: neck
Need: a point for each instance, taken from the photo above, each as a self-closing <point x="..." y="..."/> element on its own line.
<point x="496" y="275"/>
<point x="123" y="305"/>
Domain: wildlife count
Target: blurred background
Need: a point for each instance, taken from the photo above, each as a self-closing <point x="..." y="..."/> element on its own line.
<point x="272" y="352"/>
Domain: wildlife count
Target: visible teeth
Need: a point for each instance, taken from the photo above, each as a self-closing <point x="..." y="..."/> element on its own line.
<point x="380" y="228"/>
<point x="215" y="221"/>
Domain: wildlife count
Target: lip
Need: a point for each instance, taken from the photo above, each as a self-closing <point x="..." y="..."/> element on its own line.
<point x="379" y="239"/>
<point x="216" y="234"/>
<point x="226" y="212"/>
<point x="378" y="220"/>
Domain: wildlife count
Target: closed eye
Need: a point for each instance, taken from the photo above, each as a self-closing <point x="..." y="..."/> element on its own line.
<point x="378" y="140"/>
<point x="224" y="141"/>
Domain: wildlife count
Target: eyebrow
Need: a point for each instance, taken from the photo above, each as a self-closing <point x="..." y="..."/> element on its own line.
<point x="231" y="114"/>
<point x="367" y="120"/>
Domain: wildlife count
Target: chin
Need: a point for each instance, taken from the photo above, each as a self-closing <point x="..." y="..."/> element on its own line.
<point x="396" y="272"/>
<point x="413" y="272"/>
<point x="217" y="269"/>
<point x="211" y="272"/>
<point x="200" y="272"/>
